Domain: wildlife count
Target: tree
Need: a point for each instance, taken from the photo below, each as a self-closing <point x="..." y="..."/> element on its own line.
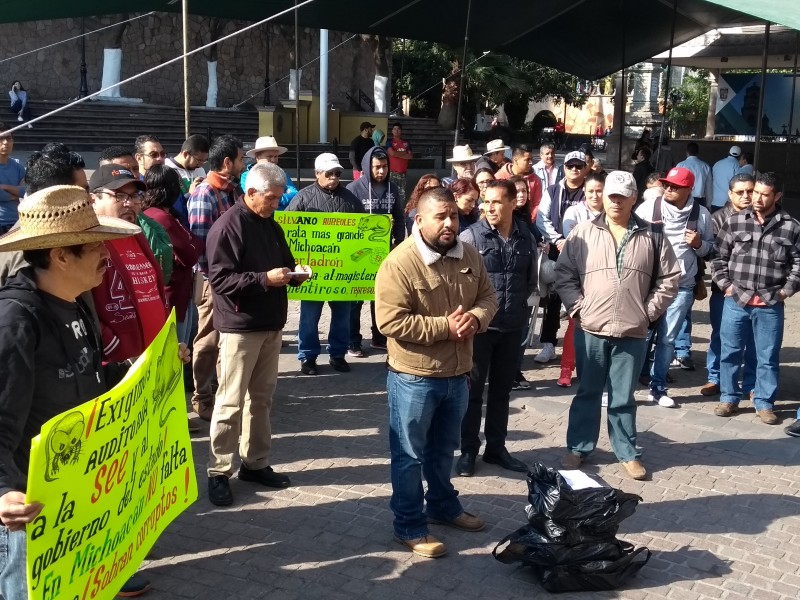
<point x="689" y="104"/>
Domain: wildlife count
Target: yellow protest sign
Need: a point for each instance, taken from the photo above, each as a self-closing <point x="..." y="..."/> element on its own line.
<point x="112" y="474"/>
<point x="344" y="251"/>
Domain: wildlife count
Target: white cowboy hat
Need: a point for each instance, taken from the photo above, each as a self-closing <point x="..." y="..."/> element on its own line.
<point x="61" y="216"/>
<point x="495" y="146"/>
<point x="463" y="154"/>
<point x="265" y="142"/>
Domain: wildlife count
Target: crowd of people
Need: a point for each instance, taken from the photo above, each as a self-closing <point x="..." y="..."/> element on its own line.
<point x="91" y="268"/>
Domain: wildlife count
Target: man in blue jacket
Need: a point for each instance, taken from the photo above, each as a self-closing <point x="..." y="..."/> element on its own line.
<point x="379" y="196"/>
<point x="267" y="150"/>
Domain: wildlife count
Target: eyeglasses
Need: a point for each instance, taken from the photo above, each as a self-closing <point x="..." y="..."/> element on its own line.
<point x="122" y="197"/>
<point x="154" y="155"/>
<point x="332" y="174"/>
<point x="672" y="186"/>
<point x="741" y="193"/>
<point x="574" y="167"/>
<point x="484" y="182"/>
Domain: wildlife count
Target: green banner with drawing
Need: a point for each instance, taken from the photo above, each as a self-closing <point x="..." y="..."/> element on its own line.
<point x="344" y="251"/>
<point x="112" y="474"/>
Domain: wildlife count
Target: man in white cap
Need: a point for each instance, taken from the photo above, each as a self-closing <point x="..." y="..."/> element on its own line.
<point x="267" y="150"/>
<point x="721" y="174"/>
<point x="327" y="194"/>
<point x="612" y="320"/>
<point x="463" y="162"/>
<point x="51" y="347"/>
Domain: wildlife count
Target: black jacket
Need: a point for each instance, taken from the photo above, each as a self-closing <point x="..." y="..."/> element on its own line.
<point x="241" y="248"/>
<point x="45" y="371"/>
<point x="317" y="199"/>
<point x="512" y="269"/>
<point x="387" y="203"/>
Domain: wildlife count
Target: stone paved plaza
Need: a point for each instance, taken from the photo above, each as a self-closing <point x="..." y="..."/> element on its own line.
<point x="721" y="512"/>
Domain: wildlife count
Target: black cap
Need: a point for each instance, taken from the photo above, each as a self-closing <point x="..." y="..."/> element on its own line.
<point x="366" y="125"/>
<point x="113" y="177"/>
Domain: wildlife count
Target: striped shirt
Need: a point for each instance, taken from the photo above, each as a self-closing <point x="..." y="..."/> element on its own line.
<point x="205" y="206"/>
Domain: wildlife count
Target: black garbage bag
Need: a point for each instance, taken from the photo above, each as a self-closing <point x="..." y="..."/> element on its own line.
<point x="595" y="575"/>
<point x="575" y="516"/>
<point x="529" y="547"/>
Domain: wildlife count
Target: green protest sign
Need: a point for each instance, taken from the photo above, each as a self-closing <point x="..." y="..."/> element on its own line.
<point x="344" y="251"/>
<point x="111" y="473"/>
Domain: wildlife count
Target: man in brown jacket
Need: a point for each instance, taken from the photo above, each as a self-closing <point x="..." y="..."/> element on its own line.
<point x="432" y="296"/>
<point x="616" y="276"/>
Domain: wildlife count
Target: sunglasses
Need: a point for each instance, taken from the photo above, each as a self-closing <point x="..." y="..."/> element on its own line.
<point x="154" y="155"/>
<point x="672" y="186"/>
<point x="742" y="192"/>
<point x="332" y="174"/>
<point x="574" y="167"/>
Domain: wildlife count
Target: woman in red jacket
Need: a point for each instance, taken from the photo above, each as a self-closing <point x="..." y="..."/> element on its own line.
<point x="163" y="187"/>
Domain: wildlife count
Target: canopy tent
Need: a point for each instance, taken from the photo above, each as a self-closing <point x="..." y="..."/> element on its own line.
<point x="588" y="38"/>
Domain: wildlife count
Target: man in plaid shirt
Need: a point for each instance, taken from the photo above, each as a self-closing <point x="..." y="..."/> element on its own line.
<point x="757" y="266"/>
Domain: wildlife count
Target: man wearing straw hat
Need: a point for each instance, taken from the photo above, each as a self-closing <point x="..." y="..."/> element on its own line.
<point x="50" y="345"/>
<point x="495" y="156"/>
<point x="267" y="150"/>
<point x="463" y="162"/>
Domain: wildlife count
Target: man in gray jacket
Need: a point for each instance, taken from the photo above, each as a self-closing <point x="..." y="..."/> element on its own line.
<point x="612" y="320"/>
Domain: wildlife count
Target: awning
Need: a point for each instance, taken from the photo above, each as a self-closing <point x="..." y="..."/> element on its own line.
<point x="588" y="38"/>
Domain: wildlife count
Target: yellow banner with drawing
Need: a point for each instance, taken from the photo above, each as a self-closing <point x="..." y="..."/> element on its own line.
<point x="344" y="251"/>
<point x="112" y="474"/>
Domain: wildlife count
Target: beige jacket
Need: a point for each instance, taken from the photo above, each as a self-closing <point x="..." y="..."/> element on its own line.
<point x="603" y="302"/>
<point x="415" y="290"/>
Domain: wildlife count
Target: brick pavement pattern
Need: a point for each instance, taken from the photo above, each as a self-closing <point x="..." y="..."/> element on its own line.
<point x="721" y="511"/>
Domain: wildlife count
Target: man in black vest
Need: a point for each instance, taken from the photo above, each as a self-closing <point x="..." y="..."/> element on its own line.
<point x="509" y="254"/>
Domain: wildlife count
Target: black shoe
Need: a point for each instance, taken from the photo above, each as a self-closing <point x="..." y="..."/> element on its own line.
<point x="466" y="464"/>
<point x="686" y="363"/>
<point x="793" y="429"/>
<point x="340" y="364"/>
<point x="135" y="586"/>
<point x="309" y="366"/>
<point x="505" y="460"/>
<point x="265" y="476"/>
<point x="219" y="491"/>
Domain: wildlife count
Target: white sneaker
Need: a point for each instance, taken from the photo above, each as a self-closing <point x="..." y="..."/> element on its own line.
<point x="546" y="354"/>
<point x="604" y="401"/>
<point x="19" y="118"/>
<point x="661" y="399"/>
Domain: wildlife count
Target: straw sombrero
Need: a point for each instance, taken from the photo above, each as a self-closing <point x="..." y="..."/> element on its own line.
<point x="61" y="216"/>
<point x="265" y="142"/>
<point x="463" y="154"/>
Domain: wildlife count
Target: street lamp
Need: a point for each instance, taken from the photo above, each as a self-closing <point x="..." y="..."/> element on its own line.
<point x="84" y="85"/>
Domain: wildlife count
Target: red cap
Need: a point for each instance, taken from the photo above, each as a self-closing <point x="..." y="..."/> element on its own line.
<point x="680" y="177"/>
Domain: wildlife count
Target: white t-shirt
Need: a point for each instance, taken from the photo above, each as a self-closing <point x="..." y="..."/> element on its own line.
<point x="186" y="176"/>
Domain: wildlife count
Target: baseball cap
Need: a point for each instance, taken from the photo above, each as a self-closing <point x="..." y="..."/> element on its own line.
<point x="575" y="156"/>
<point x="327" y="161"/>
<point x="113" y="177"/>
<point x="366" y="125"/>
<point x="620" y="183"/>
<point x="679" y="177"/>
<point x="735" y="151"/>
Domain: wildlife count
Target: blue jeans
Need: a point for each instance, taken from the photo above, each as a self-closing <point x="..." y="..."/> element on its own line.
<point x="603" y="362"/>
<point x="683" y="342"/>
<point x="425" y="416"/>
<point x="715" y="303"/>
<point x="765" y="324"/>
<point x="308" y="346"/>
<point x="665" y="339"/>
<point x="13" y="584"/>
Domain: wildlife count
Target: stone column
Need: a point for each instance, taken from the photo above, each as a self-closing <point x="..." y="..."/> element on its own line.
<point x="713" y="93"/>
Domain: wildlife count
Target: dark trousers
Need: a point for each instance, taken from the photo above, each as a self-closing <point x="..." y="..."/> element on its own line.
<point x="494" y="354"/>
<point x="17" y="106"/>
<point x="551" y="319"/>
<point x="355" y="326"/>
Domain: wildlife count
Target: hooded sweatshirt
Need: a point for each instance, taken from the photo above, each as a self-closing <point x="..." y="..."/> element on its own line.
<point x="674" y="227"/>
<point x="51" y="354"/>
<point x="380" y="198"/>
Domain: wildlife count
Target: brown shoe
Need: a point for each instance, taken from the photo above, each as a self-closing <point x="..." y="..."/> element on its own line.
<point x="465" y="521"/>
<point x="710" y="389"/>
<point x="193" y="427"/>
<point x="768" y="417"/>
<point x="726" y="409"/>
<point x="204" y="410"/>
<point x="571" y="461"/>
<point x="635" y="469"/>
<point x="427" y="546"/>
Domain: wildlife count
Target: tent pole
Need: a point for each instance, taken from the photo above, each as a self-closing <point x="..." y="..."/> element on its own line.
<point x="667" y="82"/>
<point x="791" y="105"/>
<point x="323" y="86"/>
<point x="760" y="113"/>
<point x="461" y="77"/>
<point x="623" y="94"/>
<point x="297" y="94"/>
<point x="186" y="103"/>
